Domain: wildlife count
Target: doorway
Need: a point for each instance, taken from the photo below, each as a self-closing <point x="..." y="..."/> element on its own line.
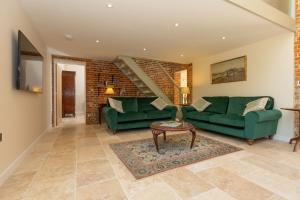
<point x="70" y="95"/>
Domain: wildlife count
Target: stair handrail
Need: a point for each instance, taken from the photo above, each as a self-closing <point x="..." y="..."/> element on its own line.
<point x="168" y="75"/>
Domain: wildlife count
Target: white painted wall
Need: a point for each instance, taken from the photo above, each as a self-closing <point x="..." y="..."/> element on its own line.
<point x="24" y="116"/>
<point x="80" y="100"/>
<point x="183" y="78"/>
<point x="270" y="71"/>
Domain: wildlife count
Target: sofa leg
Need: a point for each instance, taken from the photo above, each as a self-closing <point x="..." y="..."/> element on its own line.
<point x="250" y="142"/>
<point x="270" y="137"/>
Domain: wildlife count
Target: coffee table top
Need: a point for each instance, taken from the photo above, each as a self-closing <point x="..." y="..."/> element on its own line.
<point x="184" y="126"/>
<point x="291" y="109"/>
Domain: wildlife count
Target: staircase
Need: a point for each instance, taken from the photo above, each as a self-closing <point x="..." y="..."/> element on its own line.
<point x="140" y="79"/>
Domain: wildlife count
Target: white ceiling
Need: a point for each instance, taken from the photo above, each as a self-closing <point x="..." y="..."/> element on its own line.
<point x="132" y="25"/>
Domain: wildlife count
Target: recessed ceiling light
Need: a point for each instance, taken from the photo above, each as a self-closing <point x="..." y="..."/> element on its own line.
<point x="176" y="24"/>
<point x="109" y="5"/>
<point x="145" y="49"/>
<point x="181" y="55"/>
<point x="69" y="36"/>
<point x="224" y="38"/>
<point x="97" y="41"/>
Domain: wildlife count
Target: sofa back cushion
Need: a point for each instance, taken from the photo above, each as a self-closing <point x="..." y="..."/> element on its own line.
<point x="144" y="103"/>
<point x="129" y="103"/>
<point x="237" y="105"/>
<point x="218" y="104"/>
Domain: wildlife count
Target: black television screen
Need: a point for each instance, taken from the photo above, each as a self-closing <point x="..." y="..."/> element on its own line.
<point x="30" y="66"/>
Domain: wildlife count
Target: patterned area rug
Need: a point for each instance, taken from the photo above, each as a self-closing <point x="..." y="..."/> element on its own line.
<point x="142" y="159"/>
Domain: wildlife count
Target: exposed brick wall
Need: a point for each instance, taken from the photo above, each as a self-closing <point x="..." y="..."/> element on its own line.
<point x="154" y="71"/>
<point x="99" y="71"/>
<point x="297" y="60"/>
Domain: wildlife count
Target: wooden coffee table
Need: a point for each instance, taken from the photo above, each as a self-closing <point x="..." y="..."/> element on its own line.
<point x="158" y="129"/>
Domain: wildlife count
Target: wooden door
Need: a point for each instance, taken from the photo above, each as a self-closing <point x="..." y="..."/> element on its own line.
<point x="68" y="93"/>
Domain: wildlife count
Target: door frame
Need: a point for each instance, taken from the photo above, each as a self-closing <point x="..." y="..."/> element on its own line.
<point x="63" y="60"/>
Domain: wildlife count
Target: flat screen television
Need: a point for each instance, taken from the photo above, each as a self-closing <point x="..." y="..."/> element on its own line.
<point x="30" y="66"/>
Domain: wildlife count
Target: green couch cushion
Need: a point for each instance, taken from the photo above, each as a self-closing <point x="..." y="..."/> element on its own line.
<point x="200" y="116"/>
<point x="131" y="116"/>
<point x="144" y="103"/>
<point x="218" y="104"/>
<point x="237" y="105"/>
<point x="129" y="103"/>
<point x="158" y="114"/>
<point x="228" y="119"/>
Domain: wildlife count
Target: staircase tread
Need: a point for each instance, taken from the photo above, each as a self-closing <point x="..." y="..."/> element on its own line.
<point x="138" y="77"/>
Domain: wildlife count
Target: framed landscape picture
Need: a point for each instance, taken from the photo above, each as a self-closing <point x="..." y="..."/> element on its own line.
<point x="229" y="70"/>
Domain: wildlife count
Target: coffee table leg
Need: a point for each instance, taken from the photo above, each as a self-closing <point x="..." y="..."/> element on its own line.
<point x="296" y="144"/>
<point x="297" y="138"/>
<point x="155" y="135"/>
<point x="193" y="137"/>
<point x="293" y="139"/>
<point x="165" y="137"/>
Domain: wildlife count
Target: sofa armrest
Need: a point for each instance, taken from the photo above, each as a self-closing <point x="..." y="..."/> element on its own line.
<point x="262" y="123"/>
<point x="185" y="110"/>
<point x="263" y="115"/>
<point x="172" y="110"/>
<point x="111" y="117"/>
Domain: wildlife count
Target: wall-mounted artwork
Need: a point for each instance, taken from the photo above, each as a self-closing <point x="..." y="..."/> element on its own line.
<point x="229" y="70"/>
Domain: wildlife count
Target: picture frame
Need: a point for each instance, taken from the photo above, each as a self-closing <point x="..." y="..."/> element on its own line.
<point x="232" y="70"/>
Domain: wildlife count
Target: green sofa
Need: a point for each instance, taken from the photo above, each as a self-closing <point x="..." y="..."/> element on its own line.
<point x="224" y="115"/>
<point x="139" y="113"/>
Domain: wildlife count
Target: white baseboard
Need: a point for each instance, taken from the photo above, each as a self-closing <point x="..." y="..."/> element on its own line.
<point x="13" y="166"/>
<point x="79" y="113"/>
<point x="281" y="138"/>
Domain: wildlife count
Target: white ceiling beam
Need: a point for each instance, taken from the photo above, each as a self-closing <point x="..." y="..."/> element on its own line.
<point x="266" y="11"/>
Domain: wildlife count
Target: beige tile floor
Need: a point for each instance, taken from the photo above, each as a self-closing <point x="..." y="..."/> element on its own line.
<point x="75" y="161"/>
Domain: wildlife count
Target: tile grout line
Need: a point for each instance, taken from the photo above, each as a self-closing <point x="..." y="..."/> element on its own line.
<point x="75" y="174"/>
<point x="172" y="189"/>
<point x="111" y="165"/>
<point x="96" y="182"/>
<point x="279" y="193"/>
<point x="35" y="175"/>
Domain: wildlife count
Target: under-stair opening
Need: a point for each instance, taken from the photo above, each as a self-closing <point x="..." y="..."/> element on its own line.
<point x="180" y="78"/>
